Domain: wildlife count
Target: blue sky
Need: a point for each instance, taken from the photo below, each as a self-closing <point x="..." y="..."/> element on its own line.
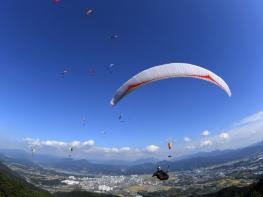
<point x="39" y="40"/>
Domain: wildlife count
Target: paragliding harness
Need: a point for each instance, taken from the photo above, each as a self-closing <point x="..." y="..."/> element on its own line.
<point x="161" y="175"/>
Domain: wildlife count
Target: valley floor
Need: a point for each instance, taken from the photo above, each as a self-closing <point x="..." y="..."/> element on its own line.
<point x="181" y="183"/>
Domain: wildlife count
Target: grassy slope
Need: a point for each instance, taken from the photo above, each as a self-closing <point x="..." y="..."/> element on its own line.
<point x="12" y="185"/>
<point x="253" y="190"/>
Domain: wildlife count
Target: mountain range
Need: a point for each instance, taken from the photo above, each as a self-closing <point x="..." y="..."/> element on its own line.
<point x="198" y="160"/>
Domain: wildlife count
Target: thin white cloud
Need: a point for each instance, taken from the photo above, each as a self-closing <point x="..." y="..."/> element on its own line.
<point x="57" y="144"/>
<point x="205" y="133"/>
<point x="248" y="131"/>
<point x="89" y="143"/>
<point x="224" y="136"/>
<point x="32" y="142"/>
<point x="187" y="139"/>
<point x="125" y="149"/>
<point x="252" y="118"/>
<point x="53" y="143"/>
<point x="152" y="148"/>
<point x="75" y="143"/>
<point x="88" y="148"/>
<point x="109" y="150"/>
<point x="206" y="143"/>
<point x="191" y="147"/>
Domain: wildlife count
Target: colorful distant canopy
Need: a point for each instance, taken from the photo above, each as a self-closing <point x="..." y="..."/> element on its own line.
<point x="170" y="145"/>
<point x="165" y="71"/>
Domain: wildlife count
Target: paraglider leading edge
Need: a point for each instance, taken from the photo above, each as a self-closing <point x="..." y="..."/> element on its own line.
<point x="165" y="71"/>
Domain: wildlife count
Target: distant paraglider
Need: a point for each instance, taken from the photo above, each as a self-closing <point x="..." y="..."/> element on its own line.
<point x="64" y="73"/>
<point x="70" y="151"/>
<point x="88" y="12"/>
<point x="170" y="144"/>
<point x="84" y="120"/>
<point x="114" y="36"/>
<point x="33" y="150"/>
<point x="120" y="117"/>
<point x="160" y="174"/>
<point x="168" y="71"/>
<point x="92" y="72"/>
<point x="110" y="68"/>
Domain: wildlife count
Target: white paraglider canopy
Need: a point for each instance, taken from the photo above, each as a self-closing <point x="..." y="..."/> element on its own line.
<point x="168" y="71"/>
